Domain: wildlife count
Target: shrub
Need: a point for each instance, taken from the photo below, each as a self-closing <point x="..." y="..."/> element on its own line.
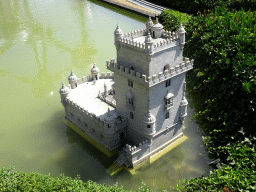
<point x="193" y="6"/>
<point x="222" y="85"/>
<point x="171" y="19"/>
<point x="238" y="175"/>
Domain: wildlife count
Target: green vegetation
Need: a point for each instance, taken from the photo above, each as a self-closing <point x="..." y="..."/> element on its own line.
<point x="193" y="6"/>
<point x="171" y="19"/>
<point x="13" y="180"/>
<point x="222" y="91"/>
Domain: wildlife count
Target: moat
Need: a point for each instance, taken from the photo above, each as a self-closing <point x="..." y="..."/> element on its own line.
<point x="40" y="42"/>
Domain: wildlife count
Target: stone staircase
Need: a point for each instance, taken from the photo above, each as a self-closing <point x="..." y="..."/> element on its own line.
<point x="122" y="160"/>
<point x="148" y="5"/>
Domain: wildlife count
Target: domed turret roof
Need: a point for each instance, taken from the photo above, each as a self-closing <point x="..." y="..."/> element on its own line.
<point x="72" y="76"/>
<point x="150" y="22"/>
<point x="118" y="30"/>
<point x="184" y="101"/>
<point x="157" y="25"/>
<point x="109" y="118"/>
<point x="148" y="39"/>
<point x="149" y="118"/>
<point x="64" y="89"/>
<point x="181" y="29"/>
<point x="94" y="68"/>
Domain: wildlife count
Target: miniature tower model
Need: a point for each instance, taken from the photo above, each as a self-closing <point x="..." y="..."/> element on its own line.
<point x="141" y="106"/>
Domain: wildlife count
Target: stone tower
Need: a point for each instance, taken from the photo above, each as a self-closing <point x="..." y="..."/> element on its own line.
<point x="149" y="82"/>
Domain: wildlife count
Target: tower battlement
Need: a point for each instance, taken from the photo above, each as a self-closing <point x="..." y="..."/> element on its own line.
<point x="155" y="79"/>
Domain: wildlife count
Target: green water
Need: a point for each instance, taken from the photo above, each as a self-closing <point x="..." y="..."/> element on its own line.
<point x="40" y="42"/>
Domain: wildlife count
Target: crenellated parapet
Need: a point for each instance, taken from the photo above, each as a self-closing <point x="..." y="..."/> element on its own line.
<point x="172" y="72"/>
<point x="127" y="72"/>
<point x="136" y="149"/>
<point x="135" y="34"/>
<point x="155" y="79"/>
<point x="127" y="42"/>
<point x="84" y="112"/>
<point x="165" y="44"/>
<point x="169" y="39"/>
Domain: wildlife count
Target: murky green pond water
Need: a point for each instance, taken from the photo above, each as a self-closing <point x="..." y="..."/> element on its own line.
<point x="40" y="42"/>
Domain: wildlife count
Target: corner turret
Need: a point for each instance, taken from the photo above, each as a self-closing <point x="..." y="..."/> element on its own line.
<point x="118" y="34"/>
<point x="64" y="91"/>
<point x="95" y="72"/>
<point x="183" y="106"/>
<point x="109" y="122"/>
<point x="149" y="24"/>
<point x="149" y="44"/>
<point x="181" y="33"/>
<point x="72" y="79"/>
<point x="149" y="129"/>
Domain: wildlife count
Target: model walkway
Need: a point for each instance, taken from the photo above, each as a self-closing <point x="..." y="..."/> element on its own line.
<point x="148" y="5"/>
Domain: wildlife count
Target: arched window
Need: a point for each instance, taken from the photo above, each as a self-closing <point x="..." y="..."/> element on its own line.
<point x="109" y="126"/>
<point x="167" y="115"/>
<point x="131" y="115"/>
<point x="132" y="68"/>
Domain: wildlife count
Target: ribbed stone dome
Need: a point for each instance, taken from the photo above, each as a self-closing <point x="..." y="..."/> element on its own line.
<point x="148" y="39"/>
<point x="94" y="68"/>
<point x="109" y="118"/>
<point x="118" y="30"/>
<point x="149" y="118"/>
<point x="64" y="89"/>
<point x="72" y="76"/>
<point x="157" y="25"/>
<point x="181" y="29"/>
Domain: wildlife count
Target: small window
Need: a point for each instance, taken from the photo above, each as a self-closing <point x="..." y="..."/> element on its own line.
<point x="109" y="126"/>
<point x="149" y="126"/>
<point x="168" y="83"/>
<point x="132" y="68"/>
<point x="130" y="83"/>
<point x="131" y="115"/>
<point x="101" y="136"/>
<point x="167" y="115"/>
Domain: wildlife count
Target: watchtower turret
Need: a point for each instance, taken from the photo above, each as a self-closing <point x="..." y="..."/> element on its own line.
<point x="95" y="72"/>
<point x="149" y="44"/>
<point x="181" y="33"/>
<point x="183" y="106"/>
<point x="118" y="34"/>
<point x="64" y="91"/>
<point x="109" y="122"/>
<point x="72" y="80"/>
<point x="149" y="129"/>
<point x="149" y="24"/>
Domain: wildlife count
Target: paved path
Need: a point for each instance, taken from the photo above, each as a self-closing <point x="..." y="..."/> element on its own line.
<point x="146" y="11"/>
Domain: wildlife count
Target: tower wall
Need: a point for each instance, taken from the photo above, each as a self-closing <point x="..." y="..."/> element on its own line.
<point x="171" y="56"/>
<point x="140" y="103"/>
<point x="157" y="102"/>
<point x="129" y="57"/>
